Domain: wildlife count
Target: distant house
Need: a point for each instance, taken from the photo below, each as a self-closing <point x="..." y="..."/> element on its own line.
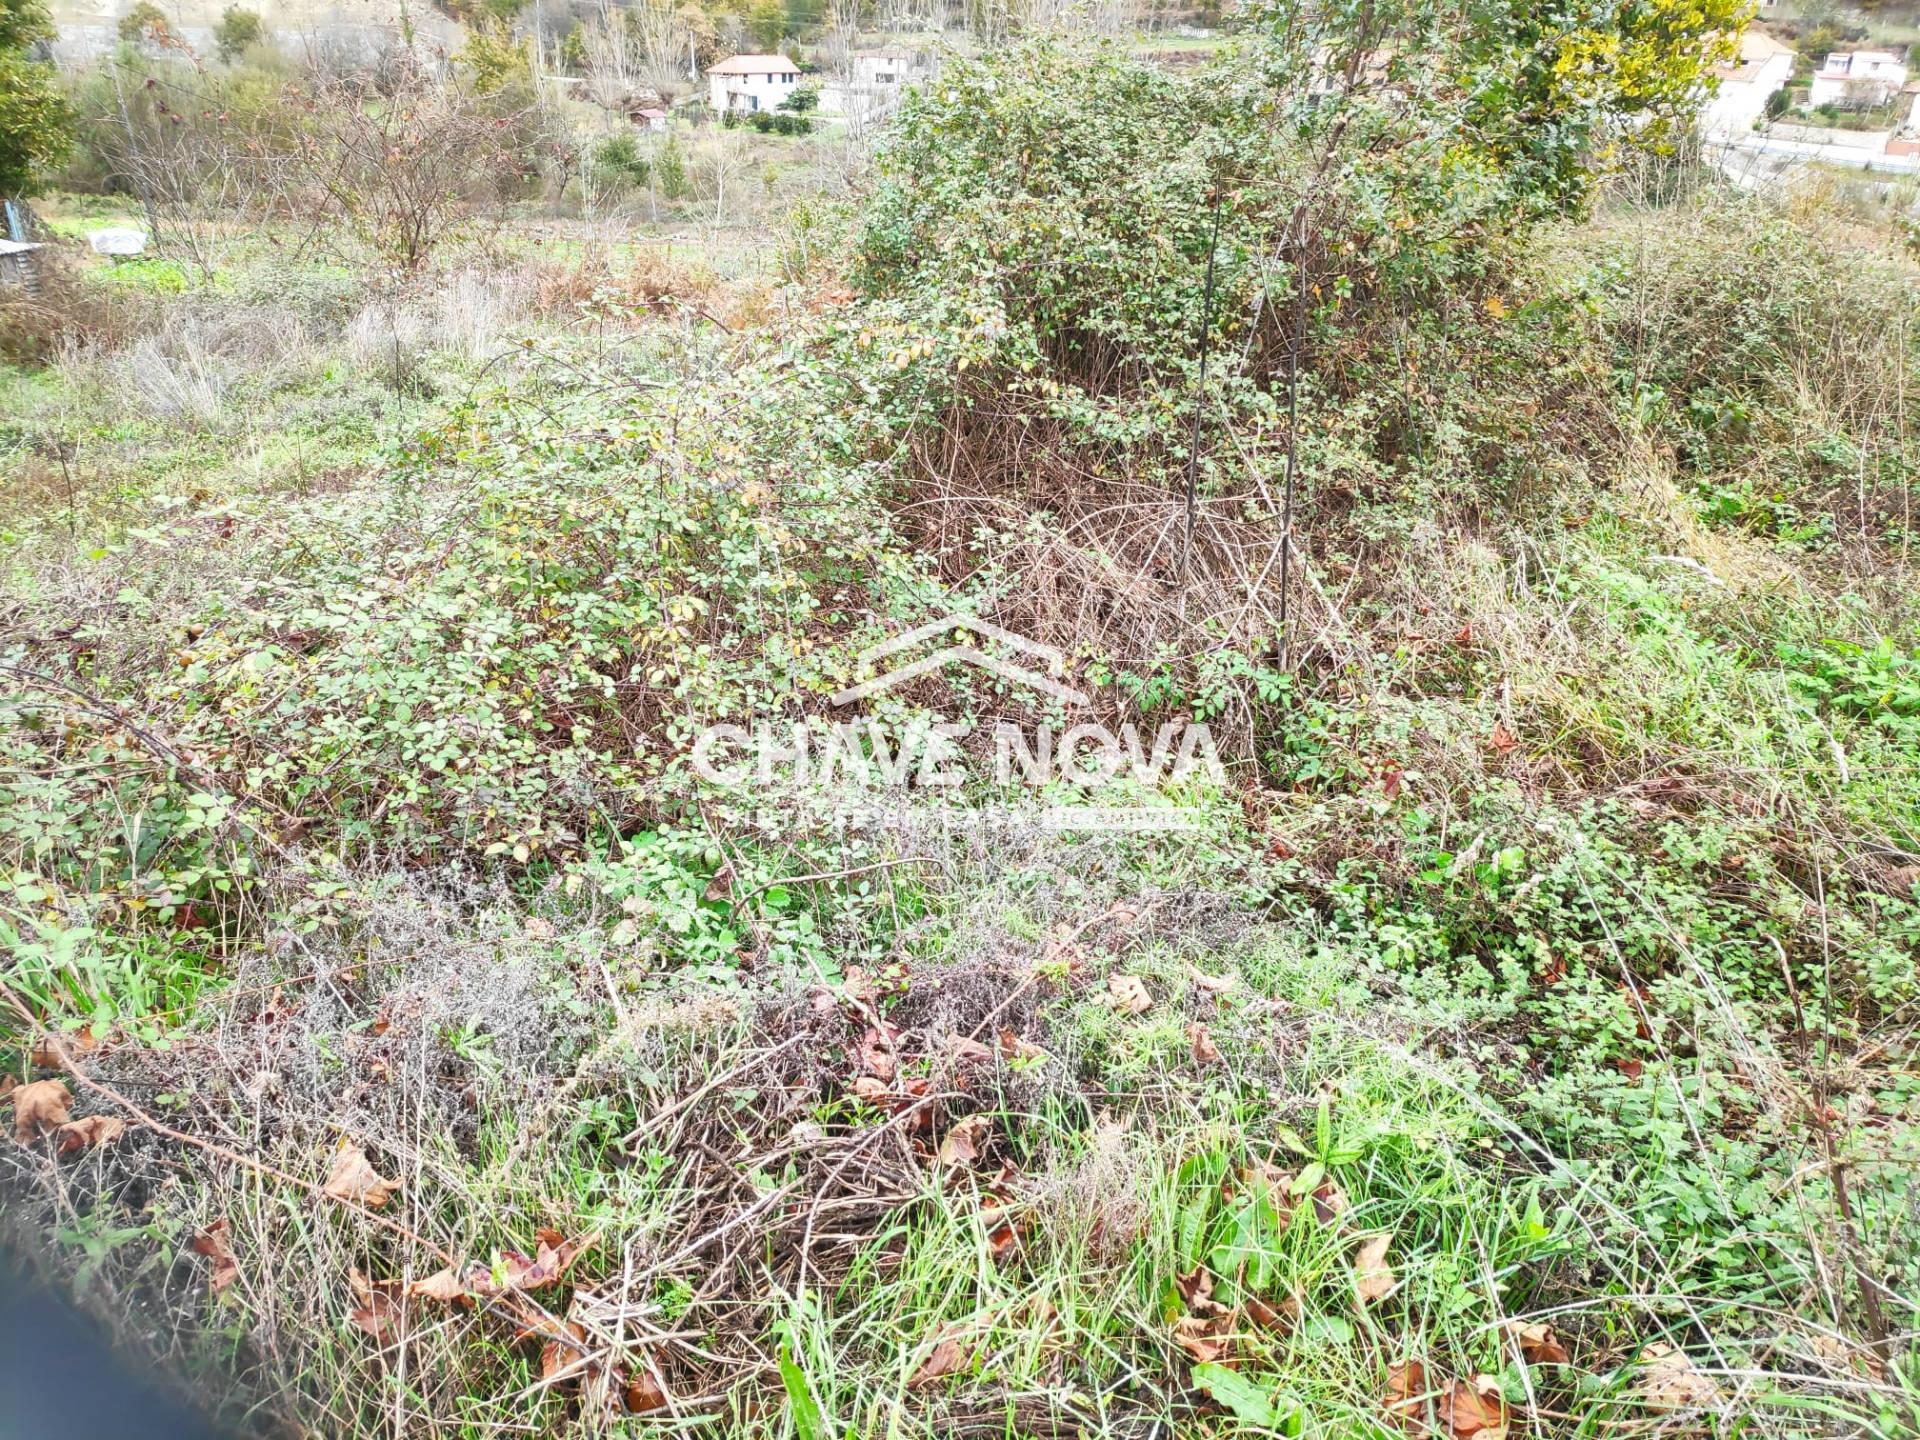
<point x="649" y="117"/>
<point x="1762" y="69"/>
<point x="752" y="82"/>
<point x="1858" y="79"/>
<point x="870" y="83"/>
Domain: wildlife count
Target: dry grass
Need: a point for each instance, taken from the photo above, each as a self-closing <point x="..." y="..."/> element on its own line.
<point x="64" y="313"/>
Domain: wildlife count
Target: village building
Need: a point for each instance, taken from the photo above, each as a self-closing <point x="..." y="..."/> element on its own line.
<point x="1739" y="101"/>
<point x="871" y="83"/>
<point x="1858" y="79"/>
<point x="752" y="82"/>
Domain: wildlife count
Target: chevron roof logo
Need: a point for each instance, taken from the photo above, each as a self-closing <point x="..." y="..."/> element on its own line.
<point x="1044" y="680"/>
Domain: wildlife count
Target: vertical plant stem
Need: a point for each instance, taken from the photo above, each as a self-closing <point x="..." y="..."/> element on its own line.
<point x="1199" y="406"/>
<point x="1293" y="418"/>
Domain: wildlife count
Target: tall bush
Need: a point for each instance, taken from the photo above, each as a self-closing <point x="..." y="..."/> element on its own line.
<point x="35" y="122"/>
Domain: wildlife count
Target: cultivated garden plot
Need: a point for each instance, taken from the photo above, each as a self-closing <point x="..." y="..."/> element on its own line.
<point x="1218" y="751"/>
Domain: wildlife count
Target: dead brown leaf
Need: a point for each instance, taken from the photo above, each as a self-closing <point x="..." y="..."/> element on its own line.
<point x="1013" y="1047"/>
<point x="878" y="1052"/>
<point x="1372" y="1276"/>
<point x="919" y="1119"/>
<point x="871" y="1089"/>
<point x="354" y="1180"/>
<point x="445" y="1285"/>
<point x="966" y="1141"/>
<point x="1207" y="1338"/>
<point x="1002" y="1228"/>
<point x="48" y="1050"/>
<point x="1537" y="1343"/>
<point x="1128" y="994"/>
<point x="1212" y="984"/>
<point x="1003" y="1244"/>
<point x="380" y="1306"/>
<point x="553" y="1256"/>
<point x="87" y="1132"/>
<point x="214" y="1243"/>
<point x="1329" y="1202"/>
<point x="1671" y="1381"/>
<point x="39" y="1108"/>
<point x="1062" y="949"/>
<point x="948" y="1357"/>
<point x="1205" y="1052"/>
<point x="1406" y="1396"/>
<point x="513" y="1273"/>
<point x="643" y="1395"/>
<point x="859" y="990"/>
<point x="968" y="1051"/>
<point x="1838" y="1357"/>
<point x="563" y="1355"/>
<point x="1269" y="1179"/>
<point x="1272" y="1317"/>
<point x="1474" y="1409"/>
<point x="1195" y="1287"/>
<point x="569" y="1356"/>
<point x="1504" y="740"/>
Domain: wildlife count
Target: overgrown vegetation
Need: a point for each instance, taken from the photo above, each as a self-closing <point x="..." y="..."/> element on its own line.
<point x="1517" y="1040"/>
<point x="33" y="115"/>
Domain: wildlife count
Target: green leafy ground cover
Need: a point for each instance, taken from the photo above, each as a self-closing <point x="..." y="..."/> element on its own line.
<point x="1521" y="1042"/>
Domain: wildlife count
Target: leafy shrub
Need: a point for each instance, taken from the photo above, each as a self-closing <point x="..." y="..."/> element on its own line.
<point x="618" y="161"/>
<point x="35" y="120"/>
<point x="670" y="165"/>
<point x="239" y="31"/>
<point x="595" y="608"/>
<point x="146" y="22"/>
<point x="1877" y="685"/>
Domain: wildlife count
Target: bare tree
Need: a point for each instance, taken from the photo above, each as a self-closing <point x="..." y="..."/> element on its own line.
<point x="172" y="142"/>
<point x="732" y="32"/>
<point x="614" y="60"/>
<point x="841" y="40"/>
<point x="403" y="172"/>
<point x="912" y="17"/>
<point x="723" y="170"/>
<point x="667" y="40"/>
